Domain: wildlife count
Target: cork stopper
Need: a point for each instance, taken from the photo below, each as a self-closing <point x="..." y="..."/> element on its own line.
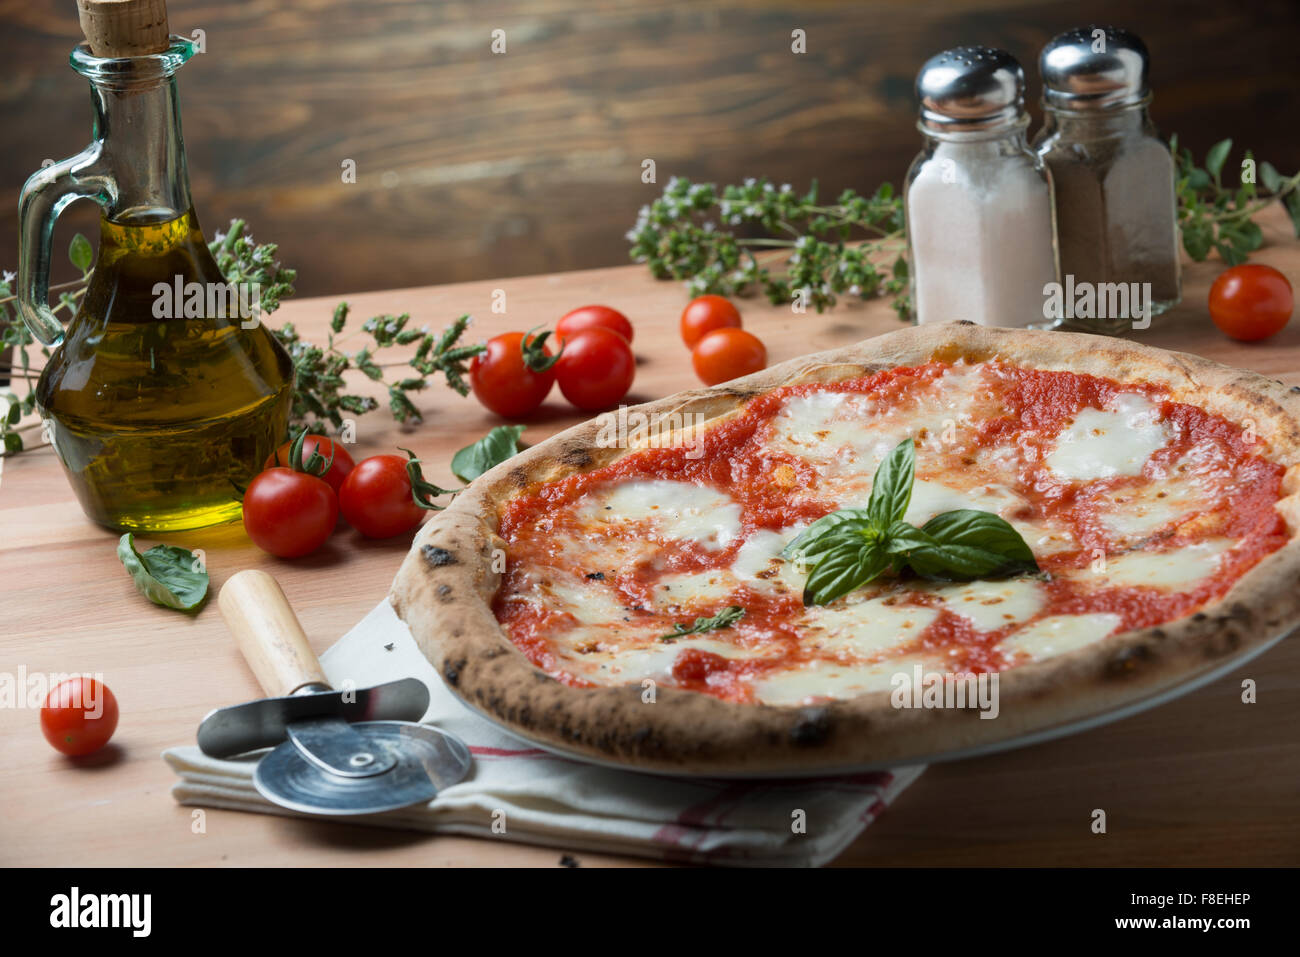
<point x="122" y="28"/>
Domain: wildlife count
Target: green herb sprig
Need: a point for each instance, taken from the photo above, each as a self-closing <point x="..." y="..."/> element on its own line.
<point x="320" y="373"/>
<point x="734" y="240"/>
<point x="1215" y="216"/>
<point x="321" y="397"/>
<point x="852" y="547"/>
<point x="700" y="233"/>
<point x="723" y="619"/>
<point x="467" y="464"/>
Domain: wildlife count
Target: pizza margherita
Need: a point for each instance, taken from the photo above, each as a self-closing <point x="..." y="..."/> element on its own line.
<point x="644" y="599"/>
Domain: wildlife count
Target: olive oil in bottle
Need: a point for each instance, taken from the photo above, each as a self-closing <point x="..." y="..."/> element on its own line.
<point x="163" y="397"/>
<point x="160" y="422"/>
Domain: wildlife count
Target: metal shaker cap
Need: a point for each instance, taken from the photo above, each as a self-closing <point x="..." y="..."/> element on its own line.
<point x="970" y="88"/>
<point x="1094" y="68"/>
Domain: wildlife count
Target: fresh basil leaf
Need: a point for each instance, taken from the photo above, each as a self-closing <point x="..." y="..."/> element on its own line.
<point x="970" y="543"/>
<point x="819" y="535"/>
<point x="891" y="489"/>
<point x="843" y="570"/>
<point x="493" y="449"/>
<point x="723" y="619"/>
<point x="1216" y="157"/>
<point x="167" y="575"/>
<point x="80" y="253"/>
<point x="903" y="539"/>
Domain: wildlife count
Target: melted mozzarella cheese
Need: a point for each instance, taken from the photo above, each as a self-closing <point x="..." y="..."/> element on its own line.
<point x="759" y="565"/>
<point x="760" y="553"/>
<point x="1044" y="538"/>
<point x="864" y="628"/>
<point x="1059" y="634"/>
<point x="617" y="664"/>
<point x="679" y="510"/>
<point x="851" y="433"/>
<point x="929" y="498"/>
<point x="991" y="605"/>
<point x="1172" y="498"/>
<point x="590" y="603"/>
<point x="1176" y="568"/>
<point x="710" y="587"/>
<point x="821" y="679"/>
<point x="1103" y="443"/>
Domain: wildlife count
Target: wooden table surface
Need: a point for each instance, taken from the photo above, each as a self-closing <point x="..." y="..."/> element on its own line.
<point x="1205" y="780"/>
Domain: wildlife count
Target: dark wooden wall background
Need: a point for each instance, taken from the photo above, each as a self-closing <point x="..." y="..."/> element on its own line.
<point x="472" y="165"/>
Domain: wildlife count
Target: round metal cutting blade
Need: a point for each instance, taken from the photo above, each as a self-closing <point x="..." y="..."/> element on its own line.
<point x="426" y="761"/>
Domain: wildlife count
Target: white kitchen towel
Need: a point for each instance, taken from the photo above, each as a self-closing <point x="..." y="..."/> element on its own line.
<point x="517" y="792"/>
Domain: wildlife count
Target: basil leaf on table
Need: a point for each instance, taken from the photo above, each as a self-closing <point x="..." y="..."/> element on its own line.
<point x="167" y="575"/>
<point x="491" y="450"/>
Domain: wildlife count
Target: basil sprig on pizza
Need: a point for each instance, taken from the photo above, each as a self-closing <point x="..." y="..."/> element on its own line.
<point x="877" y="512"/>
<point x="852" y="547"/>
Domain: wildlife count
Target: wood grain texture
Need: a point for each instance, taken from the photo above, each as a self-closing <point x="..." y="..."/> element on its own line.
<point x="473" y="165"/>
<point x="1205" y="780"/>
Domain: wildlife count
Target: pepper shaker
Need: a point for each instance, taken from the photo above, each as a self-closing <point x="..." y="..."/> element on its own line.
<point x="977" y="199"/>
<point x="1116" y="211"/>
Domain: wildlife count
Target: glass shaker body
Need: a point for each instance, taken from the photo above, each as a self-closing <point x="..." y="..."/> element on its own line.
<point x="980" y="228"/>
<point x="1116" y="213"/>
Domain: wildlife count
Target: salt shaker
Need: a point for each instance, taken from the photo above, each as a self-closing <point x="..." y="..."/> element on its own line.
<point x="978" y="200"/>
<point x="1116" y="212"/>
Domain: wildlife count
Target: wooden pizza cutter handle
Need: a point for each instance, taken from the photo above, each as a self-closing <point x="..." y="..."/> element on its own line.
<point x="268" y="633"/>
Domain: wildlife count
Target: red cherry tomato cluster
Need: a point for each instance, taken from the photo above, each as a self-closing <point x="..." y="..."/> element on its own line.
<point x="292" y="507"/>
<point x="720" y="349"/>
<point x="594" y="365"/>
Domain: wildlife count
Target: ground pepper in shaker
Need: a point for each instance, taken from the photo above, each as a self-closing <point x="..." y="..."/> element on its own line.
<point x="978" y="200"/>
<point x="1116" y="212"/>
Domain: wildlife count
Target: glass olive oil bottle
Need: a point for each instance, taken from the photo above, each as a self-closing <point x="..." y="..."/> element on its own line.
<point x="164" y="394"/>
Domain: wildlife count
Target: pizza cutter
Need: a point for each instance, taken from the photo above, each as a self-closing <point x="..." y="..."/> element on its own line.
<point x="336" y="752"/>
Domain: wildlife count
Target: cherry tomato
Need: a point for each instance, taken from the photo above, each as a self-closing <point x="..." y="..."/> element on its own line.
<point x="502" y="378"/>
<point x="701" y="316"/>
<point x="79" y="716"/>
<point x="288" y="513"/>
<point x="377" y="500"/>
<point x="343" y="463"/>
<point x="726" y="354"/>
<point x="1251" y="301"/>
<point x="596" y="368"/>
<point x="585" y="317"/>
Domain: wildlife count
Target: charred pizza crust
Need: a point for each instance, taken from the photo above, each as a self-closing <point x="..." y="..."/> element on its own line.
<point x="446" y="585"/>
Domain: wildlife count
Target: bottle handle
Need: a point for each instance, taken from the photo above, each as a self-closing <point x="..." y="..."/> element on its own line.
<point x="44" y="196"/>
